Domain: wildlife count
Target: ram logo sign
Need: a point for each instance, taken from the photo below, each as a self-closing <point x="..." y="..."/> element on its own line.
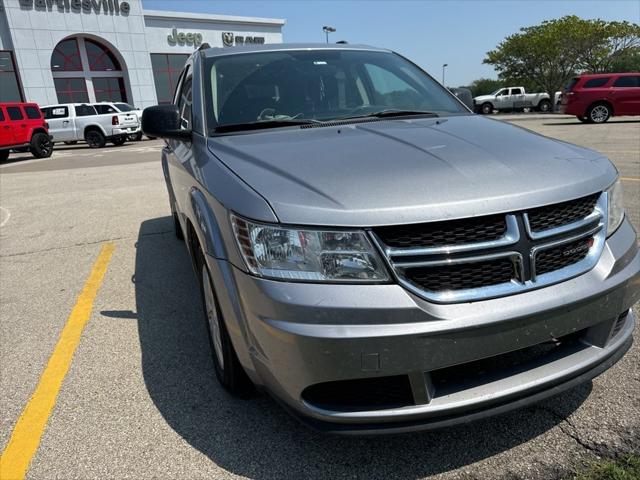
<point x="229" y="40"/>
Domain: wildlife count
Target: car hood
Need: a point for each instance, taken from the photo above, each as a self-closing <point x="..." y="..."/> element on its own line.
<point x="484" y="98"/>
<point x="407" y="171"/>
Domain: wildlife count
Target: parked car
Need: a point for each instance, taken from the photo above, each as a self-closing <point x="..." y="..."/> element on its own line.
<point x="22" y="126"/>
<point x="511" y="99"/>
<point x="598" y="97"/>
<point x="71" y="122"/>
<point x="119" y="107"/>
<point x="376" y="256"/>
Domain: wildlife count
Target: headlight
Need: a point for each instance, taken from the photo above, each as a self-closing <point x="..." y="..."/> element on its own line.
<point x="616" y="208"/>
<point x="307" y="255"/>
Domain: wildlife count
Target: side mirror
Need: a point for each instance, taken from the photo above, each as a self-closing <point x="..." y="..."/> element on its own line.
<point x="163" y="121"/>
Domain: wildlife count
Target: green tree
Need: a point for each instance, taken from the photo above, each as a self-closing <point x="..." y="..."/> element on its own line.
<point x="484" y="86"/>
<point x="551" y="53"/>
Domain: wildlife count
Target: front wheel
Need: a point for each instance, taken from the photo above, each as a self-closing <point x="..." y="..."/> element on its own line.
<point x="119" y="140"/>
<point x="135" y="137"/>
<point x="486" y="108"/>
<point x="228" y="370"/>
<point x="599" y="113"/>
<point x="41" y="145"/>
<point x="95" y="139"/>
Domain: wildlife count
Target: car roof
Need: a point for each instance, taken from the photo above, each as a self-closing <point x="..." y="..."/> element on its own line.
<point x="599" y="75"/>
<point x="278" y="47"/>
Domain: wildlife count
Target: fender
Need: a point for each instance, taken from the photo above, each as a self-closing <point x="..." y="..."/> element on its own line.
<point x="207" y="226"/>
<point x="92" y="126"/>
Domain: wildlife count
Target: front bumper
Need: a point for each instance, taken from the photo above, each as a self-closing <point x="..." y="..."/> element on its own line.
<point x="293" y="336"/>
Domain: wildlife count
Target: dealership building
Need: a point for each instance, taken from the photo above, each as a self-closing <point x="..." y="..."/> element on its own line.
<point x="67" y="51"/>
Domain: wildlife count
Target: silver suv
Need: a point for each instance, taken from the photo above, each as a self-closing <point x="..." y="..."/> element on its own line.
<point x="376" y="256"/>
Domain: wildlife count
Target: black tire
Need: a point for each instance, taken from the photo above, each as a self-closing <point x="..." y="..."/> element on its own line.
<point x="581" y="118"/>
<point x="119" y="140"/>
<point x="74" y="142"/>
<point x="4" y="155"/>
<point x="41" y="145"/>
<point x="177" y="229"/>
<point x="228" y="369"/>
<point x="599" y="113"/>
<point x="486" y="108"/>
<point x="544" y="106"/>
<point x="95" y="139"/>
<point x="136" y="137"/>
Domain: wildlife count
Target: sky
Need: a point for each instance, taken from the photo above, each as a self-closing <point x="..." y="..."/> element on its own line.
<point x="428" y="32"/>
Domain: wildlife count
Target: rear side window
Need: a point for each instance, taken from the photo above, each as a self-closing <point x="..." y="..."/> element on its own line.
<point x="1" y="115"/>
<point x="32" y="112"/>
<point x="102" y="109"/>
<point x="572" y="83"/>
<point x="516" y="91"/>
<point x="14" y="113"/>
<point x="55" y="112"/>
<point x="626" y="82"/>
<point x="596" y="82"/>
<point x="85" y="110"/>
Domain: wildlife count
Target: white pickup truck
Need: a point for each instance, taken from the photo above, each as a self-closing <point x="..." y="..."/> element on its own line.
<point x="71" y="122"/>
<point x="511" y="98"/>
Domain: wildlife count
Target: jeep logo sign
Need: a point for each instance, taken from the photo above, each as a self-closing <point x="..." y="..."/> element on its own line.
<point x="181" y="38"/>
<point x="87" y="6"/>
<point x="229" y="40"/>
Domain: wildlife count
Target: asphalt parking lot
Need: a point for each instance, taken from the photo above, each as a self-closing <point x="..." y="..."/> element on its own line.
<point x="140" y="399"/>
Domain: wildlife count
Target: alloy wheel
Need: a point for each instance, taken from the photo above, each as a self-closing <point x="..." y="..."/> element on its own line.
<point x="599" y="114"/>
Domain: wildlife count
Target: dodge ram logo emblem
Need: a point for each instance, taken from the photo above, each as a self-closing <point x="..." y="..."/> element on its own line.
<point x="227" y="39"/>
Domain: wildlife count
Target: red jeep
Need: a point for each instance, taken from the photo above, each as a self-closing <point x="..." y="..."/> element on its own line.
<point x="22" y="126"/>
<point x="597" y="97"/>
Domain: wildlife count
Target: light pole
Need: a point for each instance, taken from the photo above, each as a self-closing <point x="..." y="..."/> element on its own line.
<point x="444" y="65"/>
<point x="327" y="30"/>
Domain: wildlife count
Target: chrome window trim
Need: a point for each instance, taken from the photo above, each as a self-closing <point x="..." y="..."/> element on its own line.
<point x="598" y="231"/>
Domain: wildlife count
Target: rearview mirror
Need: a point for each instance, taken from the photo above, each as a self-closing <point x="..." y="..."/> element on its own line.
<point x="163" y="121"/>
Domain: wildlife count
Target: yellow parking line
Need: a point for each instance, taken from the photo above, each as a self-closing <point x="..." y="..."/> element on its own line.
<point x="26" y="435"/>
<point x="630" y="179"/>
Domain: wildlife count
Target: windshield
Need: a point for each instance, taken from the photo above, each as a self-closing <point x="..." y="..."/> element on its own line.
<point x="317" y="85"/>
<point x="124" y="107"/>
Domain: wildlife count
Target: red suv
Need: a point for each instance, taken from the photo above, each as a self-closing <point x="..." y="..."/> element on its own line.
<point x="22" y="126"/>
<point x="595" y="98"/>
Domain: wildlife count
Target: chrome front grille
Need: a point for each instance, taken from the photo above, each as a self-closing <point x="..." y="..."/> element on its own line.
<point x="487" y="257"/>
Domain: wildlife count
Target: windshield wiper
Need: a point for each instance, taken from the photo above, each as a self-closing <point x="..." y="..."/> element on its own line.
<point x="392" y="112"/>
<point x="262" y="124"/>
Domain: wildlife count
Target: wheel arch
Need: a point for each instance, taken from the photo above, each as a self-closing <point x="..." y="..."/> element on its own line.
<point x="92" y="127"/>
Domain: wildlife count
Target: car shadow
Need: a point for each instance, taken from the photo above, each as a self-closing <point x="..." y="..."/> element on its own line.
<point x="256" y="438"/>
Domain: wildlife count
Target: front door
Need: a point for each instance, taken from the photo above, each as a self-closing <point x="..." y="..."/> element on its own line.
<point x="503" y="100"/>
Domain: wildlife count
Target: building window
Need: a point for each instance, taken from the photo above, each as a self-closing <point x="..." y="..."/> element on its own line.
<point x="85" y="70"/>
<point x="166" y="72"/>
<point x="109" y="90"/>
<point x="66" y="57"/>
<point x="9" y="86"/>
<point x="71" y="90"/>
<point x="100" y="58"/>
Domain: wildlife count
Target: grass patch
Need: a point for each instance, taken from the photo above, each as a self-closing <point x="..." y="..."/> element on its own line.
<point x="623" y="468"/>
